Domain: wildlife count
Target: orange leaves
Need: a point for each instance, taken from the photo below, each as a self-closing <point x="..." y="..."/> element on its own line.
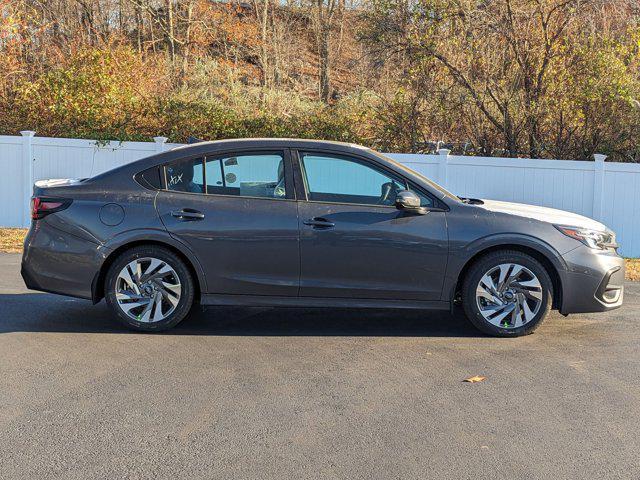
<point x="475" y="379"/>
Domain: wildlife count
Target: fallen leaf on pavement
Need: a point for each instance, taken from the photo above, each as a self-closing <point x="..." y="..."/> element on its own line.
<point x="477" y="378"/>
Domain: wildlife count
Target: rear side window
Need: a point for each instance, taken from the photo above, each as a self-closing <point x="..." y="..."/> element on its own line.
<point x="150" y="178"/>
<point x="258" y="175"/>
<point x="185" y="176"/>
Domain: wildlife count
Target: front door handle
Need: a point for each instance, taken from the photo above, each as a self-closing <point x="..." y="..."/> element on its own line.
<point x="187" y="214"/>
<point x="319" y="222"/>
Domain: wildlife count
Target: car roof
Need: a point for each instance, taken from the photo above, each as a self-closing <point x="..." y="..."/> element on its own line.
<point x="267" y="142"/>
<point x="129" y="170"/>
<point x="212" y="148"/>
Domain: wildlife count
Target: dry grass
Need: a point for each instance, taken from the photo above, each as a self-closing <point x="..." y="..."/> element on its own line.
<point x="633" y="269"/>
<point x="11" y="239"/>
<point x="11" y="242"/>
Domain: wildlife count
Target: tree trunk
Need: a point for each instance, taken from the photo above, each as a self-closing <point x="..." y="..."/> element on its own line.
<point x="186" y="51"/>
<point x="139" y="26"/>
<point x="510" y="138"/>
<point x="170" y="31"/>
<point x="264" y="45"/>
<point x="323" y="53"/>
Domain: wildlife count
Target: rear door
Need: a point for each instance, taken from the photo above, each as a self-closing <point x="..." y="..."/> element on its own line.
<point x="237" y="211"/>
<point x="354" y="242"/>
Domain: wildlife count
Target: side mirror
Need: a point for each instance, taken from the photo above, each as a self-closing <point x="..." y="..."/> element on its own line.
<point x="410" y="202"/>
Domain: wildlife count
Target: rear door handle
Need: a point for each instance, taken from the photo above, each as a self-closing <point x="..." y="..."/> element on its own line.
<point x="319" y="222"/>
<point x="187" y="214"/>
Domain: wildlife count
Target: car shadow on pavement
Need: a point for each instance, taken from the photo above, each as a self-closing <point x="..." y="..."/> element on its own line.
<point x="39" y="312"/>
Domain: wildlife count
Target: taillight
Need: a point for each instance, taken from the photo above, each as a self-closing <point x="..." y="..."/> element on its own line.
<point x="43" y="206"/>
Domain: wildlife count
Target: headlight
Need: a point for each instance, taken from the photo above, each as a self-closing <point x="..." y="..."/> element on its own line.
<point x="596" y="239"/>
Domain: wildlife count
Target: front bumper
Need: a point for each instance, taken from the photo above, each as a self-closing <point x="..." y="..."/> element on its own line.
<point x="593" y="281"/>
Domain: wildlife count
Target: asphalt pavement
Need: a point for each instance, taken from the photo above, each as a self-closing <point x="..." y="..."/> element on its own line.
<point x="312" y="393"/>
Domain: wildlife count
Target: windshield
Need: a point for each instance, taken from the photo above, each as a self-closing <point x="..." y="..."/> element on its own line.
<point x="431" y="183"/>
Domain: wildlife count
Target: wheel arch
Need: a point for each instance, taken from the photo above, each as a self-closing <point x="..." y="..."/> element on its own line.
<point x="97" y="287"/>
<point x="543" y="257"/>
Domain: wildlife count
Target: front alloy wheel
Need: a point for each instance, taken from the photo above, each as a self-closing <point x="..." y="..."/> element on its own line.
<point x="507" y="293"/>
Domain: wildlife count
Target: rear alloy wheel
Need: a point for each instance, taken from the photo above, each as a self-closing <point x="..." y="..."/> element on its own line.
<point x="149" y="288"/>
<point x="507" y="294"/>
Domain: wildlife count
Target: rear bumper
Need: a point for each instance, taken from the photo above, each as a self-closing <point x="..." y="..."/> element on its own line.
<point x="592" y="282"/>
<point x="58" y="262"/>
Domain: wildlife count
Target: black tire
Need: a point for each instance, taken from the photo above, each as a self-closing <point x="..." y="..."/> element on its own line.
<point x="484" y="265"/>
<point x="186" y="283"/>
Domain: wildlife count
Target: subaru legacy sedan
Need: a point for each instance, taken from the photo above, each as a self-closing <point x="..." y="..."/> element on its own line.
<point x="283" y="222"/>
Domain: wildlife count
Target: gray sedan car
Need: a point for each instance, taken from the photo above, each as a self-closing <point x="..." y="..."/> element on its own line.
<point x="284" y="222"/>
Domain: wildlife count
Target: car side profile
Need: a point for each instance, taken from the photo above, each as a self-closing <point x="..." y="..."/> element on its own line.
<point x="285" y="222"/>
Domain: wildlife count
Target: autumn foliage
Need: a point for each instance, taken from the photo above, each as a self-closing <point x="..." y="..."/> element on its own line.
<point x="544" y="78"/>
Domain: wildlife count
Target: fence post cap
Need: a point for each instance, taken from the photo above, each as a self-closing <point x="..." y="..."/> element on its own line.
<point x="444" y="151"/>
<point x="27" y="133"/>
<point x="160" y="139"/>
<point x="599" y="157"/>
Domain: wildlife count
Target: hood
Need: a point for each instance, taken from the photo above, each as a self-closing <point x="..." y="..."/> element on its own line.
<point x="544" y="214"/>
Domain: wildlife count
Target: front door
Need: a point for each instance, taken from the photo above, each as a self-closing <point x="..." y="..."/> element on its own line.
<point x="237" y="212"/>
<point x="354" y="242"/>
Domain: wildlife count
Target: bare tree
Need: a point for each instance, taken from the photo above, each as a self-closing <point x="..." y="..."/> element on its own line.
<point x="324" y="15"/>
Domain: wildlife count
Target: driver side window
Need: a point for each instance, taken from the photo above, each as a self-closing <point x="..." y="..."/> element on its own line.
<point x="337" y="179"/>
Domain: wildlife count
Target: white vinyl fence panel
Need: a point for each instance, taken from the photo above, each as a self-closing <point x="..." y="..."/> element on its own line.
<point x="608" y="192"/>
<point x="14" y="181"/>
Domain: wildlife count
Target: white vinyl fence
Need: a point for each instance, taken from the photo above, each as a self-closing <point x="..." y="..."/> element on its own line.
<point x="608" y="192"/>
